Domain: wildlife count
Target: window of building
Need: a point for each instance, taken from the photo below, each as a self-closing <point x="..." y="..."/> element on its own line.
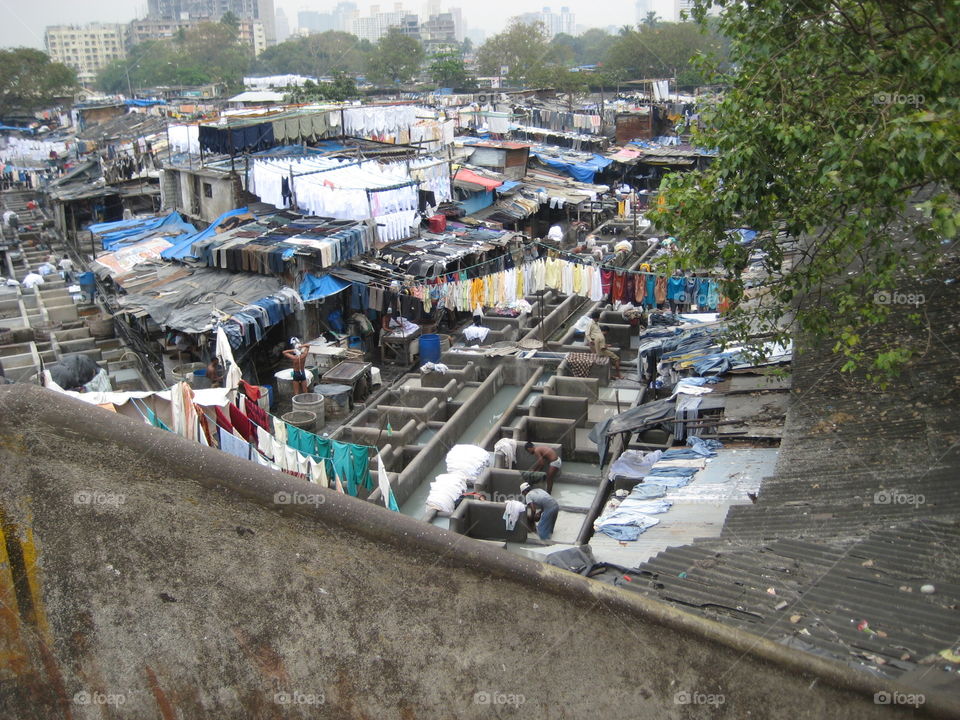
<point x="207" y="190"/>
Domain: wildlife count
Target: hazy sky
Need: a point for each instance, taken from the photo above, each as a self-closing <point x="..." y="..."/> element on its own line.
<point x="23" y="22"/>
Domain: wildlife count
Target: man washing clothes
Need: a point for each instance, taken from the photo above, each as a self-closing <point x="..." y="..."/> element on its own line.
<point x="298" y="356"/>
<point x="548" y="458"/>
<point x="542" y="509"/>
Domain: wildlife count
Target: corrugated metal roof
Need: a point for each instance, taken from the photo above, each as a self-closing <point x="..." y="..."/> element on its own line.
<point x="861" y="513"/>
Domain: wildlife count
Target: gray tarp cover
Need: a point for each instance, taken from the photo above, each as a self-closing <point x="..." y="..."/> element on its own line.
<point x="187" y="304"/>
<point x="634" y="419"/>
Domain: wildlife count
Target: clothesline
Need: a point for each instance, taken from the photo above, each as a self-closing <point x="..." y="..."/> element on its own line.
<point x="573" y="257"/>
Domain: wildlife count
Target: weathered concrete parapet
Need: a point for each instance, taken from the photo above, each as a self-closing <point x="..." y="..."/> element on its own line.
<point x="144" y="576"/>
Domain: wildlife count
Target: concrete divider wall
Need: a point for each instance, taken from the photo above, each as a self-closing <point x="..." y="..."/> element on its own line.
<point x="170" y="578"/>
<point x="435" y="450"/>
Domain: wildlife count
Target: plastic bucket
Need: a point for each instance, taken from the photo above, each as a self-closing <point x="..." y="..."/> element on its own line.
<point x="429" y="349"/>
<point x="186" y="372"/>
<point x="310" y="402"/>
<point x="302" y="419"/>
<point x="200" y="380"/>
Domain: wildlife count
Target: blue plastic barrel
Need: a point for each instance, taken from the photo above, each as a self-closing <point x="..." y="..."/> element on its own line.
<point x="429" y="349"/>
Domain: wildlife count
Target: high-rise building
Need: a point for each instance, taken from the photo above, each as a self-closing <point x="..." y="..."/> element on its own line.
<point x="553" y="23"/>
<point x="262" y="10"/>
<point x="86" y="48"/>
<point x="314" y="22"/>
<point x="439" y="30"/>
<point x="343" y="16"/>
<point x="376" y="25"/>
<point x="282" y="25"/>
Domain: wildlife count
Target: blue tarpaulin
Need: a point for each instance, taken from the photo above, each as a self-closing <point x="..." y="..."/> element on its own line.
<point x="182" y="246"/>
<point x="507" y="186"/>
<point x="315" y="287"/>
<point x="144" y="103"/>
<point x="114" y="235"/>
<point x="582" y="171"/>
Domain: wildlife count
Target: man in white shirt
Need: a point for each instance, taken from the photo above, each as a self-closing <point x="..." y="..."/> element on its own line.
<point x="66" y="266"/>
<point x="32" y="280"/>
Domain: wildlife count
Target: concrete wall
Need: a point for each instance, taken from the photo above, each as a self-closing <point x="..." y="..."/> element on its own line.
<point x="166" y="577"/>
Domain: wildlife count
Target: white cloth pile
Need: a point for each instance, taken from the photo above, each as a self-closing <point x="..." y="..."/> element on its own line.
<point x="445" y="490"/>
<point x="634" y="463"/>
<point x="434" y="367"/>
<point x="512" y="512"/>
<point x="508" y="448"/>
<point x="476" y="332"/>
<point x="468" y="460"/>
<point x="401" y="327"/>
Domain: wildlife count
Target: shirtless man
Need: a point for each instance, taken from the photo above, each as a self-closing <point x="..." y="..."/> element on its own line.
<point x="298" y="356"/>
<point x="545" y="457"/>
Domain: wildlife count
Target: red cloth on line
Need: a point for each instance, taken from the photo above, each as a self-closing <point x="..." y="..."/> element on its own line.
<point x="619" y="286"/>
<point x="251" y="391"/>
<point x="257" y="414"/>
<point x="242" y="424"/>
<point x="606" y="279"/>
<point x="223" y="421"/>
<point x="205" y="426"/>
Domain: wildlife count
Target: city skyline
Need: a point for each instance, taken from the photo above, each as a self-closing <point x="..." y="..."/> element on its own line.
<point x="26" y="23"/>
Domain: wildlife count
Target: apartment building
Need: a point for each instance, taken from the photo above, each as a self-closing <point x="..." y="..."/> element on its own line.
<point x="86" y="48"/>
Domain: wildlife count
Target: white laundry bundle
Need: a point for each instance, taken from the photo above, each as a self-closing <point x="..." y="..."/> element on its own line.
<point x="445" y="490"/>
<point x="508" y="448"/>
<point x="468" y="460"/>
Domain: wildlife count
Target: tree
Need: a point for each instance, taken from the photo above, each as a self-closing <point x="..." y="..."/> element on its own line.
<point x="522" y="47"/>
<point x="321" y="55"/>
<point x="664" y="51"/>
<point x="231" y="21"/>
<point x="396" y="59"/>
<point x="28" y="80"/>
<point x="466" y="47"/>
<point x="651" y="20"/>
<point x="837" y="116"/>
<point x="448" y="69"/>
<point x="342" y="88"/>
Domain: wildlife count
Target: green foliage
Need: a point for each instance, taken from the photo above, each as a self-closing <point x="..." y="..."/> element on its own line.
<point x="664" y="50"/>
<point x="447" y="69"/>
<point x="532" y="60"/>
<point x="28" y="80"/>
<point x="320" y="55"/>
<point x="590" y="48"/>
<point x="208" y="53"/>
<point x="838" y="114"/>
<point x="396" y="59"/>
<point x="342" y="88"/>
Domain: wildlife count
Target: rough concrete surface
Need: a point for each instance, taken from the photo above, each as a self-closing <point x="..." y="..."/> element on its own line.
<point x="143" y="576"/>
